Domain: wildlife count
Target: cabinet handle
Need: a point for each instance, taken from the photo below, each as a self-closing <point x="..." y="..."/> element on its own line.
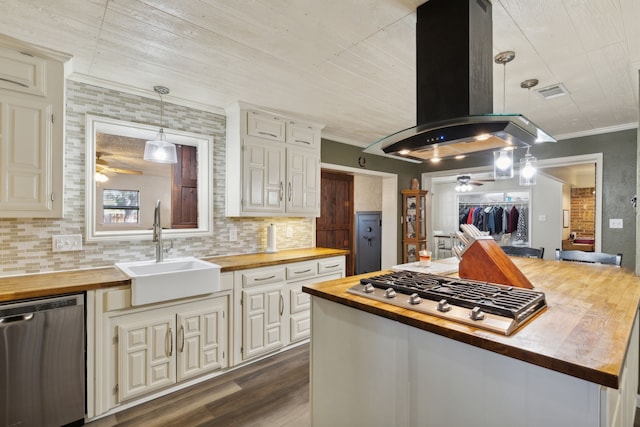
<point x="170" y="334"/>
<point x="303" y="271"/>
<point x="260" y="279"/>
<point x="281" y="191"/>
<point x="289" y="191"/>
<point x="14" y="82"/>
<point x="273" y="135"/>
<point x="281" y="304"/>
<point x="182" y="338"/>
<point x="302" y="141"/>
<point x="331" y="266"/>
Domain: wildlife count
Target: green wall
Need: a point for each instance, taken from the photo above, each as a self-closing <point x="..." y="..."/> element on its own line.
<point x="619" y="177"/>
<point x="349" y="155"/>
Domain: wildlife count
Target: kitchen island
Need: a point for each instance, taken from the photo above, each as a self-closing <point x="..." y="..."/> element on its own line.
<point x="573" y="364"/>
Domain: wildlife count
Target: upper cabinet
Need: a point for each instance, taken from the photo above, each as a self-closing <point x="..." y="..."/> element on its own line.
<point x="31" y="131"/>
<point x="273" y="164"/>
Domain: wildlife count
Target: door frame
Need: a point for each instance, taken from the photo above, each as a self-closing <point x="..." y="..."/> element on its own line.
<point x="389" y="253"/>
<point x="542" y="163"/>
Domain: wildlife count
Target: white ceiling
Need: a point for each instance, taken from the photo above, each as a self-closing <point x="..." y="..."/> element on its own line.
<point x="349" y="64"/>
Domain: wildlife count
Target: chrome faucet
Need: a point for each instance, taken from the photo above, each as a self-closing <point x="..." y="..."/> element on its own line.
<point x="157" y="233"/>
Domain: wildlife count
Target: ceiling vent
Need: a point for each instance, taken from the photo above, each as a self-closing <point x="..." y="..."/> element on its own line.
<point x="553" y="91"/>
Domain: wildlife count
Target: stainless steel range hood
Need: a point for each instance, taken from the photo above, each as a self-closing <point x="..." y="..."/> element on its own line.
<point x="454" y="65"/>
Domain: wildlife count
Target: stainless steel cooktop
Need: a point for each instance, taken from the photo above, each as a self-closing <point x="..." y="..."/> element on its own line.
<point x="490" y="306"/>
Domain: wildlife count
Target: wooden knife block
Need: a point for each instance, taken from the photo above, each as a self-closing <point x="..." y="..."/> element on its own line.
<point x="485" y="261"/>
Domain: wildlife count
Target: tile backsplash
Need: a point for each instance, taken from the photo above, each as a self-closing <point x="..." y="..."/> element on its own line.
<point x="25" y="243"/>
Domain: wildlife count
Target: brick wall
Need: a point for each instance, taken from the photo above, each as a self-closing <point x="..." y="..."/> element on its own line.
<point x="583" y="211"/>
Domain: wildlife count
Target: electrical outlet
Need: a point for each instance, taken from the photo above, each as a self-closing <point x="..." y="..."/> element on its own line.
<point x="289" y="231"/>
<point x="233" y="234"/>
<point x="67" y="242"/>
<point x="542" y="217"/>
<point x="615" y="222"/>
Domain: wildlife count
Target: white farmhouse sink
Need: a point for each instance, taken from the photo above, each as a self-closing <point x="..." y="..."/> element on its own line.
<point x="171" y="279"/>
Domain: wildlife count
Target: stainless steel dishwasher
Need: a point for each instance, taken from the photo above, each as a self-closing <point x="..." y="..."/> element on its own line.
<point x="42" y="362"/>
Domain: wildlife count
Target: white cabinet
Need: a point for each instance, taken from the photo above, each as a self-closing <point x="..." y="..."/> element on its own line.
<point x="169" y="345"/>
<point x="273" y="164"/>
<point x="146" y="349"/>
<point x="31" y="131"/>
<point x="272" y="311"/>
<point x="263" y="172"/>
<point x="262" y="308"/>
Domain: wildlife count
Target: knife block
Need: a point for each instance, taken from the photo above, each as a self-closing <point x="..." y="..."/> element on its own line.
<point x="485" y="261"/>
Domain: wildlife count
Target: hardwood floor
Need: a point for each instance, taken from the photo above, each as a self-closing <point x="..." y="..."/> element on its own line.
<point x="271" y="392"/>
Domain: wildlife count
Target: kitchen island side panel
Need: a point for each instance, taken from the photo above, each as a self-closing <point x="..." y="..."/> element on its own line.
<point x="373" y="371"/>
<point x="355" y="375"/>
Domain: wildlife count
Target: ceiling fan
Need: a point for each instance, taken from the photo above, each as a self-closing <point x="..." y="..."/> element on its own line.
<point x="103" y="166"/>
<point x="466" y="184"/>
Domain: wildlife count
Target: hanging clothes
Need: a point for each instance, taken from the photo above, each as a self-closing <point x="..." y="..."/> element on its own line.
<point x="522" y="232"/>
<point x="513" y="220"/>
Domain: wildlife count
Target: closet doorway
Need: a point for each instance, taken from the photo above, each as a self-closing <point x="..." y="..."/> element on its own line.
<point x="550" y="197"/>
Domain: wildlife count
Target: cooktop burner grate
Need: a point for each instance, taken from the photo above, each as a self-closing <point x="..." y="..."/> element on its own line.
<point x="504" y="301"/>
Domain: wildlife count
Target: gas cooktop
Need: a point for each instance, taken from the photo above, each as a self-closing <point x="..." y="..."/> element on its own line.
<point x="491" y="306"/>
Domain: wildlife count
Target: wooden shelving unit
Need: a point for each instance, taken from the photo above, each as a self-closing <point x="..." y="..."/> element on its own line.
<point x="414" y="224"/>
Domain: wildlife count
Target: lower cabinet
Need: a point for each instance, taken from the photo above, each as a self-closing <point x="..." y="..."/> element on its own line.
<point x="168" y="346"/>
<point x="272" y="310"/>
<point x="143" y="350"/>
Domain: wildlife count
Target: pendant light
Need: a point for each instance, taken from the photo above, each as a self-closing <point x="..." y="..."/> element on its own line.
<point x="503" y="164"/>
<point x="528" y="169"/>
<point x="503" y="159"/>
<point x="159" y="150"/>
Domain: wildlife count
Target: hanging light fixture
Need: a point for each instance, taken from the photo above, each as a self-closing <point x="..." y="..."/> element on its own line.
<point x="503" y="164"/>
<point x="159" y="150"/>
<point x="463" y="184"/>
<point x="100" y="177"/>
<point x="528" y="169"/>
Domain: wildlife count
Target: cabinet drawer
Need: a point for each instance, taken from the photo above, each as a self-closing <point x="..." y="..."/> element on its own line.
<point x="301" y="270"/>
<point x="265" y="126"/>
<point x="262" y="277"/>
<point x="302" y="134"/>
<point x="22" y="73"/>
<point x="331" y="265"/>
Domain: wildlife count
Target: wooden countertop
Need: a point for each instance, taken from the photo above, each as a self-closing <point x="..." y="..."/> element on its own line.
<point x="584" y="332"/>
<point x="63" y="282"/>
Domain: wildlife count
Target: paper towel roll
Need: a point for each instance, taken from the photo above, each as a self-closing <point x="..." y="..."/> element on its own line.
<point x="271" y="239"/>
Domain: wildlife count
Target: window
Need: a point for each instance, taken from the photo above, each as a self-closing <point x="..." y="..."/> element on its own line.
<point x="121" y="206"/>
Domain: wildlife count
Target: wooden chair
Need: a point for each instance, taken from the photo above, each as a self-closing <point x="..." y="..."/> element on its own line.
<point x="592" y="257"/>
<point x="523" y="251"/>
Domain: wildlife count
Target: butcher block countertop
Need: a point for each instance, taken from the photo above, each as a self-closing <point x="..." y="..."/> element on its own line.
<point x="584" y="332"/>
<point x="64" y="282"/>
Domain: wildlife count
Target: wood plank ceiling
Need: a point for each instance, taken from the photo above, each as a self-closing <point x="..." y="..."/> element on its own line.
<point x="349" y="64"/>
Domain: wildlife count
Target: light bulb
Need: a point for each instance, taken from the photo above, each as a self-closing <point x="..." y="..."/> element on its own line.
<point x="528" y="171"/>
<point x="503" y="162"/>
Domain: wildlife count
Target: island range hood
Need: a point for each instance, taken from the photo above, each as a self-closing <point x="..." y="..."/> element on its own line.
<point x="454" y="65"/>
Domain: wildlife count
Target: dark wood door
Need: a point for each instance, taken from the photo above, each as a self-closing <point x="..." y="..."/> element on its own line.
<point x="184" y="188"/>
<point x="334" y="227"/>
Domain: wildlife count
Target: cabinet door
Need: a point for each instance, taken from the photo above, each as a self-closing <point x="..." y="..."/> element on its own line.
<point x="302" y="134"/>
<point x="303" y="182"/>
<point x="146" y="359"/>
<point x="262" y="310"/>
<point x="201" y="340"/>
<point x="263" y="177"/>
<point x="265" y="126"/>
<point x="26" y="156"/>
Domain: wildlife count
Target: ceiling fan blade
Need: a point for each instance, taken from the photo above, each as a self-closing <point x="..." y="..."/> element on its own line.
<point x="125" y="171"/>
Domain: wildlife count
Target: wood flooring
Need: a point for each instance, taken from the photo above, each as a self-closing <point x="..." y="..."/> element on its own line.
<point x="270" y="392"/>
